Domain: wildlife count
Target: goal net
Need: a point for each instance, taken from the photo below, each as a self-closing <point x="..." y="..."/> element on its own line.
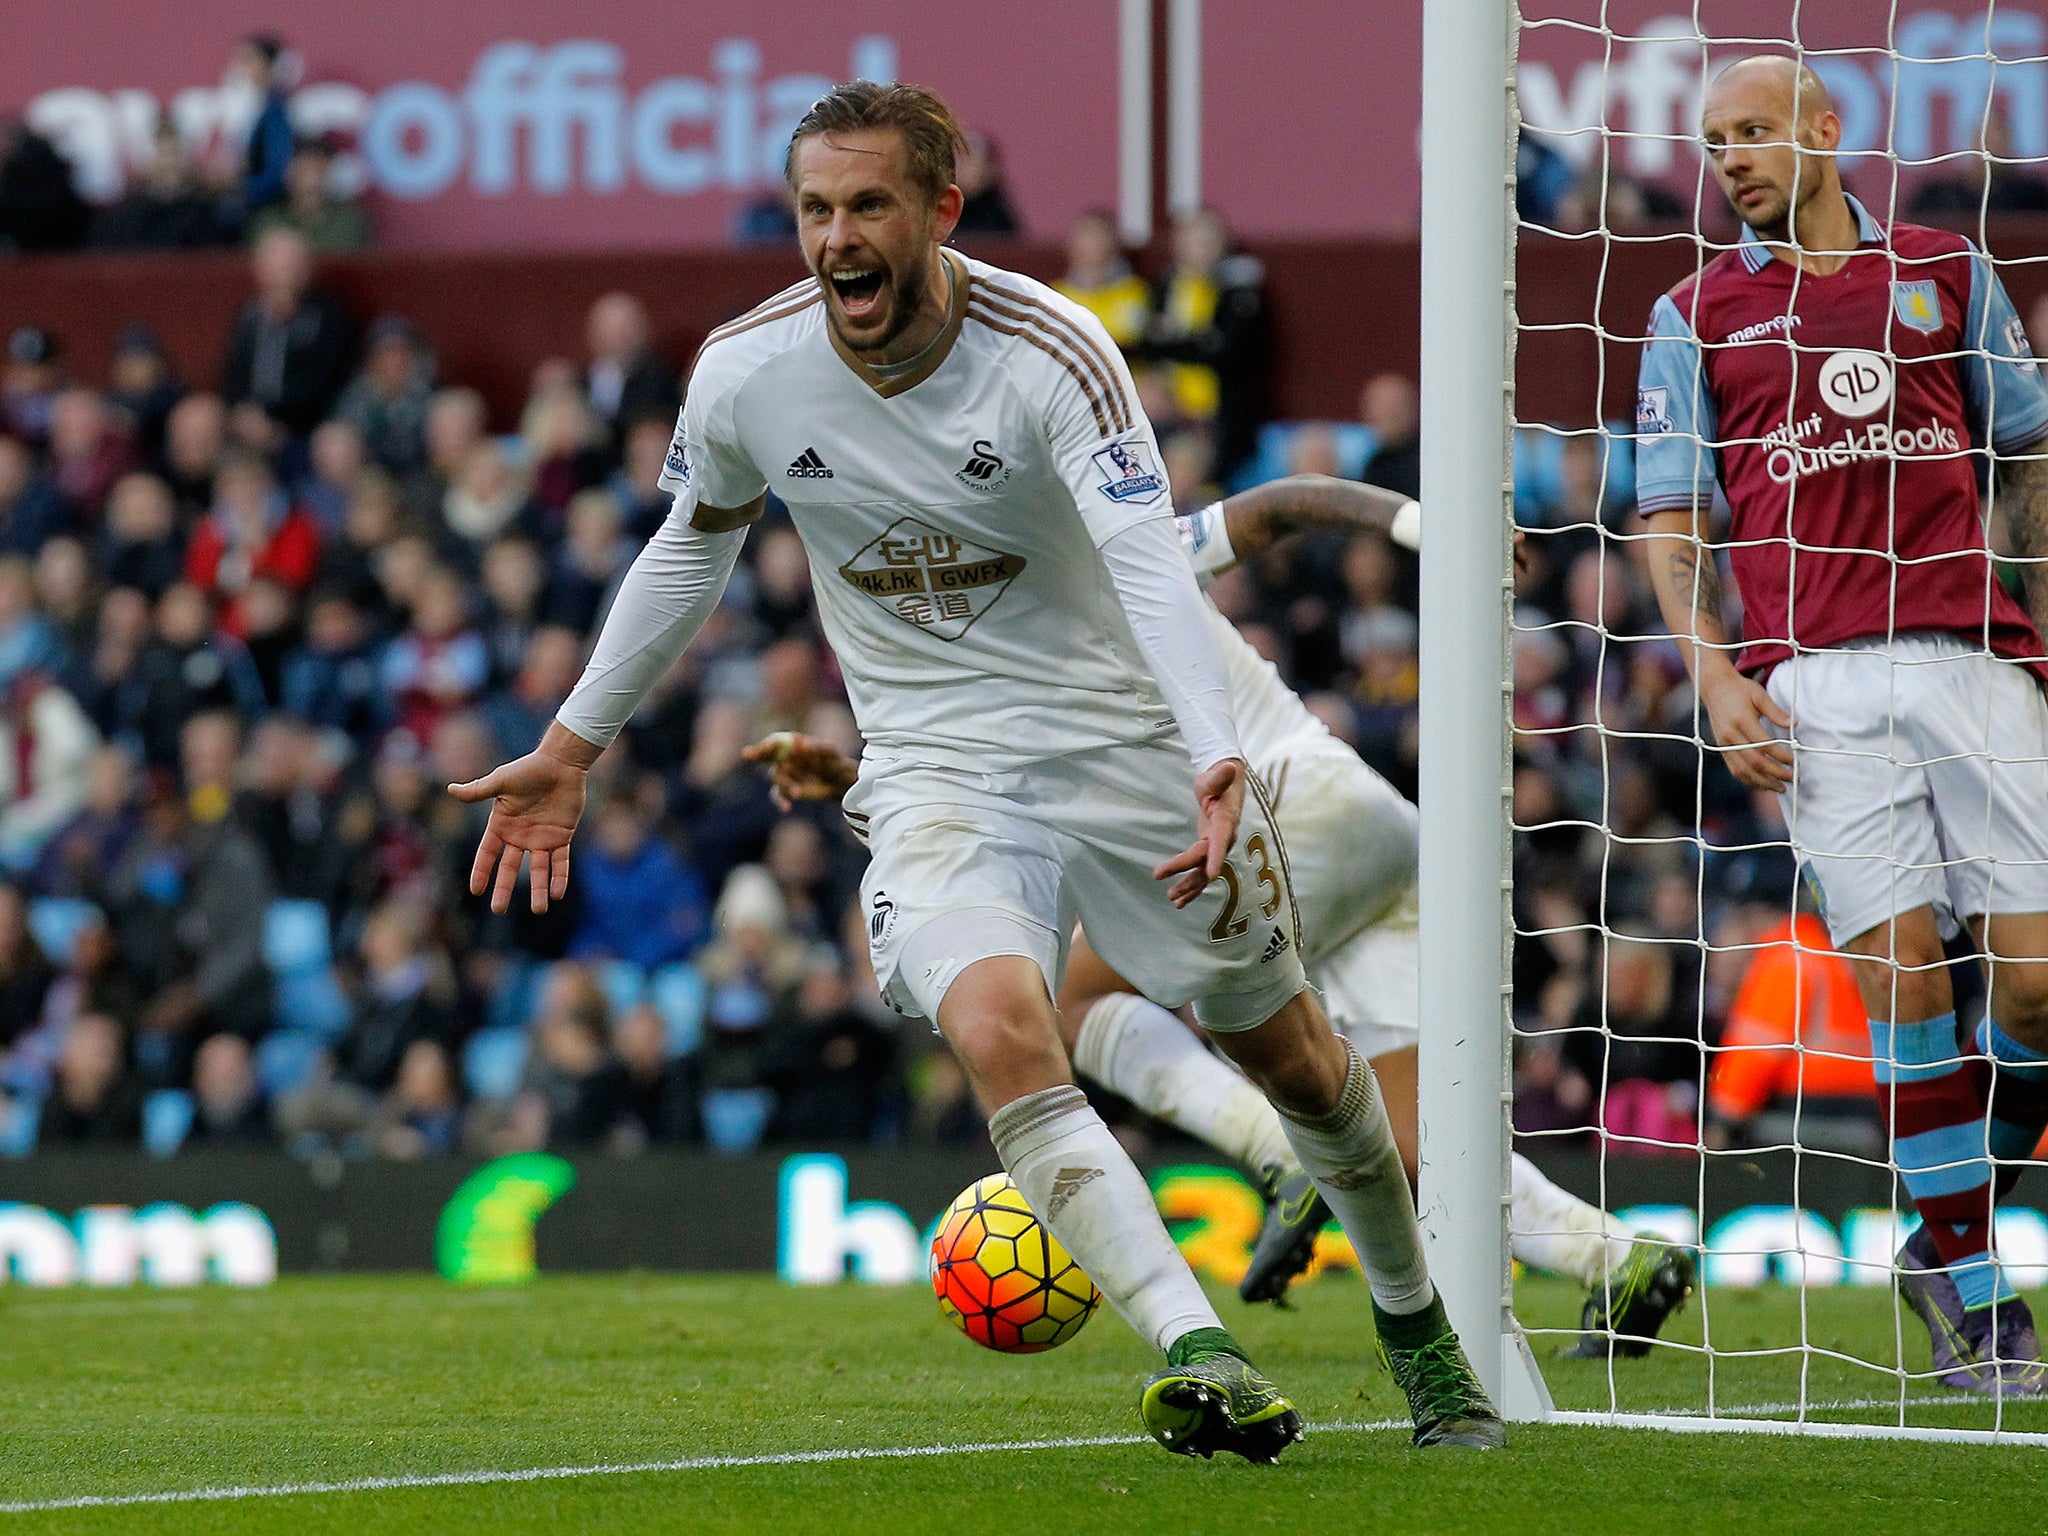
<point x="1685" y="1045"/>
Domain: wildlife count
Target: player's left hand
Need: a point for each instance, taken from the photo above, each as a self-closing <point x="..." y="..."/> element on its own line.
<point x="1219" y="804"/>
<point x="802" y="767"/>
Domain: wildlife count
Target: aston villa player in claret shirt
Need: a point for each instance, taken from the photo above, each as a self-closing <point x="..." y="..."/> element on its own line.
<point x="1849" y="387"/>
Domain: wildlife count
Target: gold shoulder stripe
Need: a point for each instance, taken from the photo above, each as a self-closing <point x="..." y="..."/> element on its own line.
<point x="1119" y="418"/>
<point x="1037" y="338"/>
<point x="773" y="301"/>
<point x="763" y="316"/>
<point x="1080" y="338"/>
<point x="740" y="327"/>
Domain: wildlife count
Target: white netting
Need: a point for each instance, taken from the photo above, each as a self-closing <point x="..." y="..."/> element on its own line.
<point x="1688" y="1045"/>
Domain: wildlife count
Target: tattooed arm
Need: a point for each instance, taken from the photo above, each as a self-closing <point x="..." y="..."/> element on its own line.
<point x="2023" y="493"/>
<point x="1261" y="516"/>
<point x="1686" y="572"/>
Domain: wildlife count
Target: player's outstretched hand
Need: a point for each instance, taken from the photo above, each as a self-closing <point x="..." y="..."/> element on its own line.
<point x="536" y="802"/>
<point x="1219" y="803"/>
<point x="802" y="767"/>
<point x="1742" y="713"/>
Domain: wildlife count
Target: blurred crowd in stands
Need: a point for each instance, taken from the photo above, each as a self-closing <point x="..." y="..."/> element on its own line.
<point x="280" y="179"/>
<point x="251" y="624"/>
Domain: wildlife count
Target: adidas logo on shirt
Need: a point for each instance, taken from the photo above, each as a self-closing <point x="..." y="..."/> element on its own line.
<point x="808" y="466"/>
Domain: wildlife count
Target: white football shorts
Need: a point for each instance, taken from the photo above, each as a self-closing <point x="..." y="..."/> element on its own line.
<point x="1351" y="843"/>
<point x="1920" y="777"/>
<point x="967" y="866"/>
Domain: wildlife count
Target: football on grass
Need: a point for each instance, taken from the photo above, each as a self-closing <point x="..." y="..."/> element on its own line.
<point x="1002" y="1277"/>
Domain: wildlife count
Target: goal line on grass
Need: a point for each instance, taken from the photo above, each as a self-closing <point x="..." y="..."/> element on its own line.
<point x="972" y="1448"/>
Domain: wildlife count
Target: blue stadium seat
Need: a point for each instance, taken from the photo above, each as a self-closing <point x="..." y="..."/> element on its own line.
<point x="677" y="992"/>
<point x="286" y="1059"/>
<point x="1539" y="469"/>
<point x="1356" y="443"/>
<point x="1621" y="461"/>
<point x="295" y="937"/>
<point x="312" y="1002"/>
<point x="492" y="1062"/>
<point x="624" y="983"/>
<point x="21" y="1120"/>
<point x="735" y="1119"/>
<point x="167" y="1116"/>
<point x="511" y="1004"/>
<point x="57" y="921"/>
<point x="1539" y="473"/>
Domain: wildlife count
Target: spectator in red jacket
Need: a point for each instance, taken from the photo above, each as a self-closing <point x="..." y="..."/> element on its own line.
<point x="253" y="530"/>
<point x="440" y="664"/>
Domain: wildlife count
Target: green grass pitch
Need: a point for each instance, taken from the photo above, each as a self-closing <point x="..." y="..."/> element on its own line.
<point x="324" y="1380"/>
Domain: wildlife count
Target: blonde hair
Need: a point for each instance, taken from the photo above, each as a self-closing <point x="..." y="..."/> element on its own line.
<point x="931" y="136"/>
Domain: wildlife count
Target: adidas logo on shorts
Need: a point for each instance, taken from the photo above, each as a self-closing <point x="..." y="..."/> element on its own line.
<point x="1276" y="945"/>
<point x="808" y="466"/>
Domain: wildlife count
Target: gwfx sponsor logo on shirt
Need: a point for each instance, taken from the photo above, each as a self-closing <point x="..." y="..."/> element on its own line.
<point x="930" y="579"/>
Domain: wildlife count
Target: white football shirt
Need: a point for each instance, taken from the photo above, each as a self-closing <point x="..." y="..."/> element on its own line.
<point x="1272" y="722"/>
<point x="952" y="514"/>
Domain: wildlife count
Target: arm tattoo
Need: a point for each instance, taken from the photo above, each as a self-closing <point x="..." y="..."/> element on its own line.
<point x="1260" y="517"/>
<point x="2025" y="484"/>
<point x="1700" y="580"/>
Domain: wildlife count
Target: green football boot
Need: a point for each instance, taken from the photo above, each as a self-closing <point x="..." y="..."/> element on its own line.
<point x="1626" y="1311"/>
<point x="1218" y="1402"/>
<point x="1444" y="1397"/>
<point x="1295" y="1213"/>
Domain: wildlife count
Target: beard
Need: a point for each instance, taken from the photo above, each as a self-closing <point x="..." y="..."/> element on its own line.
<point x="905" y="294"/>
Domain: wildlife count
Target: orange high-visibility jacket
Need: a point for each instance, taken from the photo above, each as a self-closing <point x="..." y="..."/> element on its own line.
<point x="1797" y="1026"/>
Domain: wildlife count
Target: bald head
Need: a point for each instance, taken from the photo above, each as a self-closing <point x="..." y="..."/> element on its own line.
<point x="1770" y="132"/>
<point x="1786" y="84"/>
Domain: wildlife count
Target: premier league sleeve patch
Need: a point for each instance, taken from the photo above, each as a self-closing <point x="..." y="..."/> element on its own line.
<point x="675" y="469"/>
<point x="1653" y="410"/>
<point x="1128" y="473"/>
<point x="2017" y="348"/>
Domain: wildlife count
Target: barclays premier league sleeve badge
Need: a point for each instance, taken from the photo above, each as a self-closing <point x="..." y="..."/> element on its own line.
<point x="1128" y="473"/>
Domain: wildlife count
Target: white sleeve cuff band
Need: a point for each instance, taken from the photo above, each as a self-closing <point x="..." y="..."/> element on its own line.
<point x="1407" y="529"/>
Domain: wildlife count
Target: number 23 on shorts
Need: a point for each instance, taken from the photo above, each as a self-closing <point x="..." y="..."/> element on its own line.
<point x="1230" y="922"/>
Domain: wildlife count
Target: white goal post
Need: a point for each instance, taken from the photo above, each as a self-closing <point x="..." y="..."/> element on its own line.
<point x="1468" y="618"/>
<point x="1468" y="130"/>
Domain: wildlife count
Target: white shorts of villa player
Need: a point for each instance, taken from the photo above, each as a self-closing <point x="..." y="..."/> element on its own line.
<point x="1920" y="778"/>
<point x="967" y="866"/>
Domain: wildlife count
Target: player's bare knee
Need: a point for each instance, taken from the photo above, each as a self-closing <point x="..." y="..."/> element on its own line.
<point x="2019" y="1000"/>
<point x="1901" y="972"/>
<point x="1295" y="1058"/>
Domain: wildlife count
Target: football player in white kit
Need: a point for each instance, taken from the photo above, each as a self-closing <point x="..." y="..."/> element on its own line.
<point x="1351" y="845"/>
<point x="1025" y="652"/>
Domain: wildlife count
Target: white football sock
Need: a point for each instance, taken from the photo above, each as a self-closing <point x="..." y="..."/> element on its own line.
<point x="1080" y="1182"/>
<point x="1351" y="1155"/>
<point x="1550" y="1228"/>
<point x="1138" y="1049"/>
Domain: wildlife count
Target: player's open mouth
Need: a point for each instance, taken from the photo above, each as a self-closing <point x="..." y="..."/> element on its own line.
<point x="859" y="290"/>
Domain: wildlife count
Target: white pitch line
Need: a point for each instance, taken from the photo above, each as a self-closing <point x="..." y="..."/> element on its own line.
<point x="1699" y="1424"/>
<point x="605" y="1469"/>
<point x="1731" y="1421"/>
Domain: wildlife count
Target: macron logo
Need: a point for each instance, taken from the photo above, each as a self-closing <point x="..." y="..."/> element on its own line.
<point x="808" y="466"/>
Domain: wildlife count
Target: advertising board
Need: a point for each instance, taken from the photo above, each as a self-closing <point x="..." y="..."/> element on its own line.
<point x="811" y="1217"/>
